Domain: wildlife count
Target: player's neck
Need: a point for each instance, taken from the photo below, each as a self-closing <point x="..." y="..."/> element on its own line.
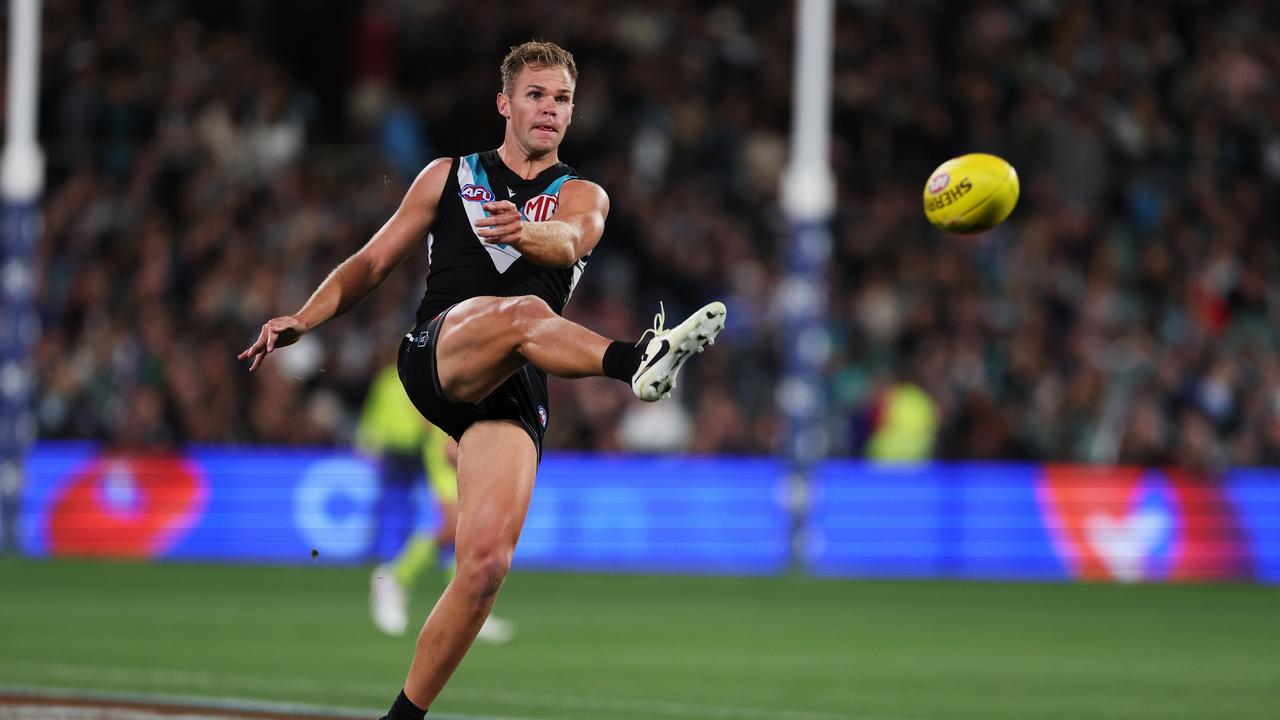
<point x="524" y="164"/>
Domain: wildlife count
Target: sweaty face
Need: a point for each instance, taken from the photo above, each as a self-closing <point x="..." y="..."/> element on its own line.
<point x="539" y="107"/>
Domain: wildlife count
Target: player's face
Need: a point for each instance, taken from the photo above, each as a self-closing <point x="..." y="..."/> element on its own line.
<point x="539" y="108"/>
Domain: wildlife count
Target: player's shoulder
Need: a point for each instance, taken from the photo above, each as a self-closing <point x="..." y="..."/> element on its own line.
<point x="585" y="191"/>
<point x="437" y="170"/>
<point x="429" y="185"/>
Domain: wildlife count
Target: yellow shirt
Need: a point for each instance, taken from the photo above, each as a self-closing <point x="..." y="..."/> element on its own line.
<point x="908" y="426"/>
<point x="389" y="422"/>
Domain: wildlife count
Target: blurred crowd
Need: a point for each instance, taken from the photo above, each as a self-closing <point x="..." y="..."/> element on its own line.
<point x="211" y="161"/>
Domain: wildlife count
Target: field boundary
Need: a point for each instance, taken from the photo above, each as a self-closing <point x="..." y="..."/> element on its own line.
<point x="56" y="703"/>
<point x="164" y="704"/>
<point x="224" y="707"/>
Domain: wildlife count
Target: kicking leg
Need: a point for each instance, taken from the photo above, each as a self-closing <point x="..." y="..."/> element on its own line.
<point x="497" y="462"/>
<point x="484" y="340"/>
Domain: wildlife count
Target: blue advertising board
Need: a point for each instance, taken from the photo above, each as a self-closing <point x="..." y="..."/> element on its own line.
<point x="693" y="515"/>
<point x="277" y="505"/>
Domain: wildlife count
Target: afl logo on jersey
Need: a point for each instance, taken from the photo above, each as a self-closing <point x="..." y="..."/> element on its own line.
<point x="541" y="208"/>
<point x="476" y="193"/>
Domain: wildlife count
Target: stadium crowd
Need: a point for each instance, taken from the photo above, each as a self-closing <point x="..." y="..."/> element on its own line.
<point x="210" y="161"/>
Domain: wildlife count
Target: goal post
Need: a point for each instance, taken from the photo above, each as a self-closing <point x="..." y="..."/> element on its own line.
<point x="21" y="182"/>
<point x="808" y="200"/>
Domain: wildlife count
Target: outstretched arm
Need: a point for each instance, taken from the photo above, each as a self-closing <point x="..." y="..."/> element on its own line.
<point x="364" y="271"/>
<point x="570" y="234"/>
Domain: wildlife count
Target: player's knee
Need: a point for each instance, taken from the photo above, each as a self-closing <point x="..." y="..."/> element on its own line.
<point x="522" y="312"/>
<point x="483" y="574"/>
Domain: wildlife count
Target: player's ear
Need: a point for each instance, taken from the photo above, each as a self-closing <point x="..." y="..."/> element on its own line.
<point x="504" y="105"/>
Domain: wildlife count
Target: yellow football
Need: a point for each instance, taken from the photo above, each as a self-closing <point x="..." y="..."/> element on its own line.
<point x="971" y="193"/>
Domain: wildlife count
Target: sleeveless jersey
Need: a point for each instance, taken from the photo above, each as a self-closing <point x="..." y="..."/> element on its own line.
<point x="462" y="266"/>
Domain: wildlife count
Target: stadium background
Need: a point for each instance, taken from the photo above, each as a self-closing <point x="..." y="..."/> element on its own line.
<point x="209" y="161"/>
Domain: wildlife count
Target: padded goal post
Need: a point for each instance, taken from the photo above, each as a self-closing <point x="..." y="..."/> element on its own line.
<point x="21" y="181"/>
<point x="808" y="199"/>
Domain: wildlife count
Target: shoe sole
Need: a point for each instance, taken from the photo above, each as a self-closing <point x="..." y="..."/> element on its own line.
<point x="710" y="321"/>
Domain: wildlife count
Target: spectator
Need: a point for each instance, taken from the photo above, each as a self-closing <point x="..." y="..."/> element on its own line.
<point x="185" y="155"/>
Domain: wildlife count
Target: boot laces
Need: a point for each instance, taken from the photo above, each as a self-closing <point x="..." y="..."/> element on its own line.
<point x="659" y="323"/>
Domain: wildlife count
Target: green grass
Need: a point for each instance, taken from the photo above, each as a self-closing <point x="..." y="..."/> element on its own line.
<point x="636" y="647"/>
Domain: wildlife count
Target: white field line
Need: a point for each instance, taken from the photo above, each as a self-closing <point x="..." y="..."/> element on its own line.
<point x="222" y="682"/>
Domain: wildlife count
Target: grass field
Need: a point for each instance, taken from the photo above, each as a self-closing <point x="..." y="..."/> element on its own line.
<point x="633" y="647"/>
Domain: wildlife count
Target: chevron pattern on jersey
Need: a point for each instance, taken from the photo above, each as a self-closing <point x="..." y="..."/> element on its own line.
<point x="471" y="173"/>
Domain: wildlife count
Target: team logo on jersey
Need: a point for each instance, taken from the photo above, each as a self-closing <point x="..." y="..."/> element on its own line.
<point x="541" y="208"/>
<point x="476" y="193"/>
<point x="939" y="183"/>
<point x="542" y="416"/>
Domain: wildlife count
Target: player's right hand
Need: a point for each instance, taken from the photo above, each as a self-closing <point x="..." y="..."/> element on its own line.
<point x="276" y="333"/>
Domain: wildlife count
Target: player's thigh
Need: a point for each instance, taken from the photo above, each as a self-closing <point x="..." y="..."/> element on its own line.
<point x="476" y="350"/>
<point x="497" y="463"/>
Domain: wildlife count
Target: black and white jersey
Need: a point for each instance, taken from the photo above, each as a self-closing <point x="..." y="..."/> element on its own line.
<point x="463" y="266"/>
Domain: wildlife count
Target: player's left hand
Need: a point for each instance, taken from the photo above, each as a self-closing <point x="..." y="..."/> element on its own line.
<point x="502" y="224"/>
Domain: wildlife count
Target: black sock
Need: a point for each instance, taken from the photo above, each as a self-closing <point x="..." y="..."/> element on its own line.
<point x="404" y="709"/>
<point x="622" y="359"/>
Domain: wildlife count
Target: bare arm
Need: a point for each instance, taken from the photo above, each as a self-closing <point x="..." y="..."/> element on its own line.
<point x="363" y="272"/>
<point x="570" y="234"/>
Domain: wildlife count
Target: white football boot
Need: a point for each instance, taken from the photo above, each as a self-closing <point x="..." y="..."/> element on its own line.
<point x="667" y="350"/>
<point x="388" y="602"/>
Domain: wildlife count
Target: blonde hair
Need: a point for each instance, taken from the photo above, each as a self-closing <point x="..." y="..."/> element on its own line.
<point x="536" y="53"/>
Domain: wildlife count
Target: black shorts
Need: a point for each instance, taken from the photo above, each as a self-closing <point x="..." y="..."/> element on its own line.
<point x="521" y="398"/>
